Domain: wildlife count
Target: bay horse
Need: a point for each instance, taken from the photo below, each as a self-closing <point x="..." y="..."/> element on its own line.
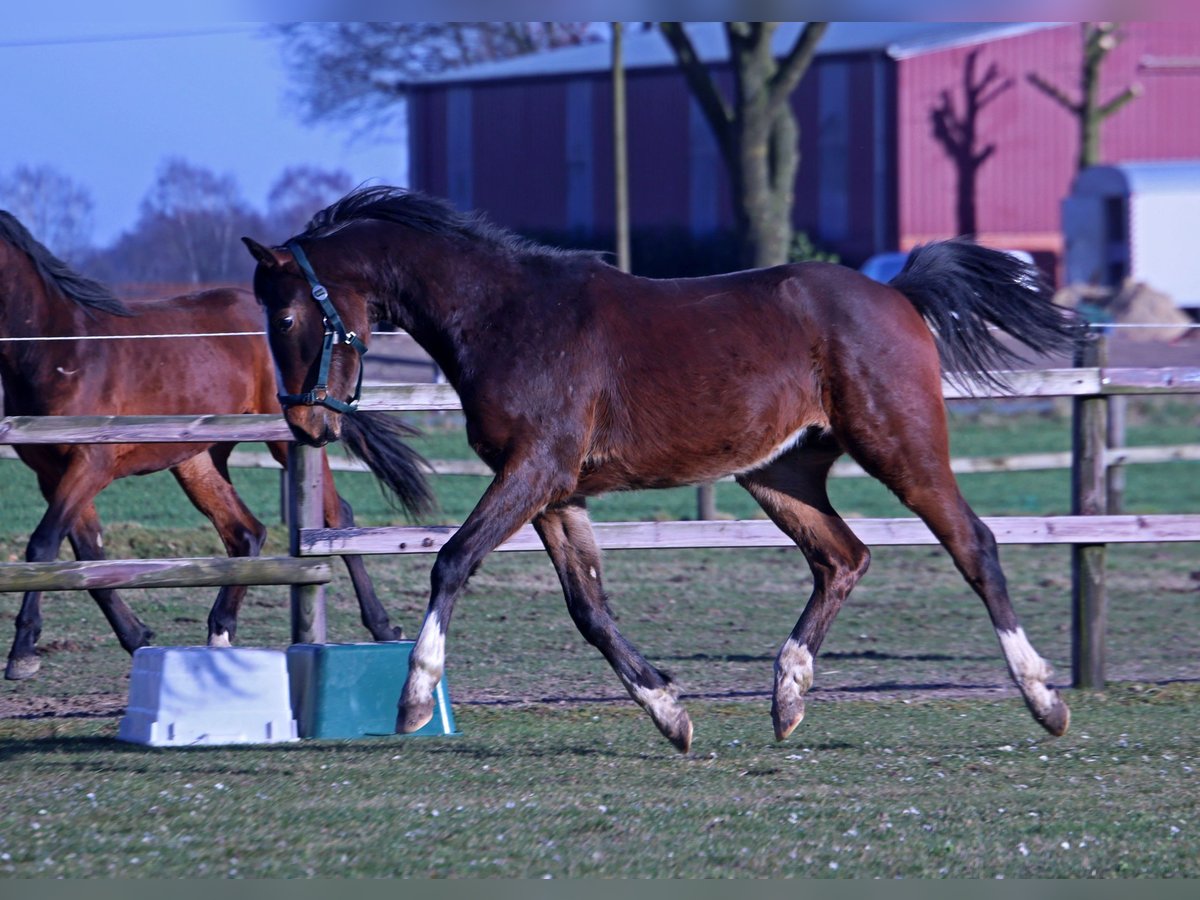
<point x="40" y="297"/>
<point x="577" y="378"/>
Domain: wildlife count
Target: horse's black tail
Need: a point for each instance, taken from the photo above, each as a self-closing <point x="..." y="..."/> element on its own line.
<point x="378" y="440"/>
<point x="964" y="291"/>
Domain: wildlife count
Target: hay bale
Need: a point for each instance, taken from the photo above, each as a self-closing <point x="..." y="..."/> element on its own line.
<point x="1140" y="304"/>
<point x="1136" y="303"/>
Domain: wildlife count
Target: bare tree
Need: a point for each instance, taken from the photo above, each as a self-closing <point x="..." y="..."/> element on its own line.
<point x="55" y="209"/>
<point x="959" y="134"/>
<point x="1099" y="39"/>
<point x="756" y="131"/>
<point x="301" y="191"/>
<point x="357" y="72"/>
<point x="188" y="227"/>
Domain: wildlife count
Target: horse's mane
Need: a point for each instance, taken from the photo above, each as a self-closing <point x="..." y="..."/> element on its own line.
<point x="432" y="215"/>
<point x="87" y="292"/>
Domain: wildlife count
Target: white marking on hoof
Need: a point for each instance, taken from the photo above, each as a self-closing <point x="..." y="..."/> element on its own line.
<point x="668" y="715"/>
<point x="793" y="678"/>
<point x="661" y="702"/>
<point x="427" y="662"/>
<point x="1029" y="670"/>
<point x="794" y="668"/>
<point x="220" y="639"/>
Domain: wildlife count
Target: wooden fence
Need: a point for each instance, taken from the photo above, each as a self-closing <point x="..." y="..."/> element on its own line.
<point x="1088" y="530"/>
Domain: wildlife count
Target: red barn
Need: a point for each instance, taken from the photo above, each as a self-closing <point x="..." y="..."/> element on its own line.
<point x="529" y="141"/>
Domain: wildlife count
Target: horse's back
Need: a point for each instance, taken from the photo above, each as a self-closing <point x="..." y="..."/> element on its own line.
<point x="815" y="311"/>
<point x="232" y="307"/>
<point x="713" y="375"/>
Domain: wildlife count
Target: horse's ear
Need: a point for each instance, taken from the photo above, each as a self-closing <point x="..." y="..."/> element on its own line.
<point x="265" y="255"/>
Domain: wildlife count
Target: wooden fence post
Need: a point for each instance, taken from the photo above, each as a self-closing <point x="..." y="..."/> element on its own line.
<point x="306" y="510"/>
<point x="1089" y="496"/>
<point x="1117" y="408"/>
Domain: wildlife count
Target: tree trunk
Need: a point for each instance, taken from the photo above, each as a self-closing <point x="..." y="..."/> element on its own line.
<point x="757" y="132"/>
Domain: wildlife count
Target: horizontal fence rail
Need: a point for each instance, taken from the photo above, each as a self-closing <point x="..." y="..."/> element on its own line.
<point x="160" y="573"/>
<point x="763" y="533"/>
<point x="965" y="465"/>
<point x="1084" y="382"/>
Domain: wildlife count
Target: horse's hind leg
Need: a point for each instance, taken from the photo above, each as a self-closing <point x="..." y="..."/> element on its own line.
<point x="87" y="542"/>
<point x="791" y="491"/>
<point x="67" y="494"/>
<point x="205" y="479"/>
<point x="338" y="514"/>
<point x="566" y="532"/>
<point x="909" y="452"/>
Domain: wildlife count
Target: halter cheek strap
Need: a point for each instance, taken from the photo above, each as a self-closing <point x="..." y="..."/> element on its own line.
<point x="335" y="332"/>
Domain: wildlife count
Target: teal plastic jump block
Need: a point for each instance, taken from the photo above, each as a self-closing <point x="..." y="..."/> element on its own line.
<point x="198" y="696"/>
<point x="353" y="690"/>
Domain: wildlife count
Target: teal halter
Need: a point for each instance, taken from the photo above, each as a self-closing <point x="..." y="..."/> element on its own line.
<point x="335" y="331"/>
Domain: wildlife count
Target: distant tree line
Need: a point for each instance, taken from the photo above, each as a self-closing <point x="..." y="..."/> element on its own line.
<point x="188" y="223"/>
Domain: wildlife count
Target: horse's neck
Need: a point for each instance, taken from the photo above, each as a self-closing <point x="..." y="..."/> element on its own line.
<point x="445" y="322"/>
<point x="30" y="310"/>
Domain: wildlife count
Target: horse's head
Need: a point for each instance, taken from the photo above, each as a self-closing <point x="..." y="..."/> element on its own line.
<point x="317" y="336"/>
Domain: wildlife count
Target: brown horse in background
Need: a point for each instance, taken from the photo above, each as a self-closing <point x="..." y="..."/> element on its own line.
<point x="577" y="379"/>
<point x="41" y="298"/>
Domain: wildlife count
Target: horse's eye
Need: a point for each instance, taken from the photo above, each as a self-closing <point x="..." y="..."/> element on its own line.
<point x="284" y="323"/>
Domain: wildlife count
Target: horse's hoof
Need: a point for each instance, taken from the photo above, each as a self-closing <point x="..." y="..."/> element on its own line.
<point x="786" y="715"/>
<point x="413" y="717"/>
<point x="793" y="678"/>
<point x="135" y="644"/>
<point x="677" y="730"/>
<point x="1057" y="720"/>
<point x="21" y="668"/>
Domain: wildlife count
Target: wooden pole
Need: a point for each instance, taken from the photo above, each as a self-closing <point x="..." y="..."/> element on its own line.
<point x="305" y="481"/>
<point x="1089" y="497"/>
<point x="620" y="151"/>
<point x="1116" y="441"/>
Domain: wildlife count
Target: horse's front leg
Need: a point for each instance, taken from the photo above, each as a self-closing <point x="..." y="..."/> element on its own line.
<point x="512" y="499"/>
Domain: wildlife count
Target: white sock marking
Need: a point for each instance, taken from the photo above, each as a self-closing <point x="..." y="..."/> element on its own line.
<point x="1029" y="670"/>
<point x="427" y="660"/>
<point x="794" y="667"/>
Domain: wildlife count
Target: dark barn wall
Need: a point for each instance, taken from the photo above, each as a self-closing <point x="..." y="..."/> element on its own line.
<point x="541" y="155"/>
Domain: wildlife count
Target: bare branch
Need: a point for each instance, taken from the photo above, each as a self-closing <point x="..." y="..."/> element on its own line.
<point x="701" y="84"/>
<point x="796" y="63"/>
<point x="1130" y="93"/>
<point x="1053" y="92"/>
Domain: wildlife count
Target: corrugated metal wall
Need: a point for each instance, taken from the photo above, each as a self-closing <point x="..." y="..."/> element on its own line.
<point x="1021" y="187"/>
<point x="872" y="176"/>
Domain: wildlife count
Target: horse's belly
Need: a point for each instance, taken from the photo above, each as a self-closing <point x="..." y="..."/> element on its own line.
<point x="697" y="461"/>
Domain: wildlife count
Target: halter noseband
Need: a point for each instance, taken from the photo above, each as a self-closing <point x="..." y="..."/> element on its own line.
<point x="335" y="331"/>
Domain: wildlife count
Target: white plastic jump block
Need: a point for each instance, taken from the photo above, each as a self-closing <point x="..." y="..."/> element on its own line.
<point x="195" y="696"/>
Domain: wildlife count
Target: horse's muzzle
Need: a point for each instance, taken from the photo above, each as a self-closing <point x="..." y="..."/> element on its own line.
<point x="314" y="425"/>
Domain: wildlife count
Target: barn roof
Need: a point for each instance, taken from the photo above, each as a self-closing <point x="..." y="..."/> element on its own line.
<point x="644" y="49"/>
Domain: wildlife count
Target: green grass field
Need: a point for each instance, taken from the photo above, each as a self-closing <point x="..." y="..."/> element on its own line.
<point x="916" y="759"/>
<point x="884" y="789"/>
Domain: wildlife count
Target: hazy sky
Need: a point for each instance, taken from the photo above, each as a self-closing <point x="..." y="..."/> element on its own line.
<point x="106" y="103"/>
